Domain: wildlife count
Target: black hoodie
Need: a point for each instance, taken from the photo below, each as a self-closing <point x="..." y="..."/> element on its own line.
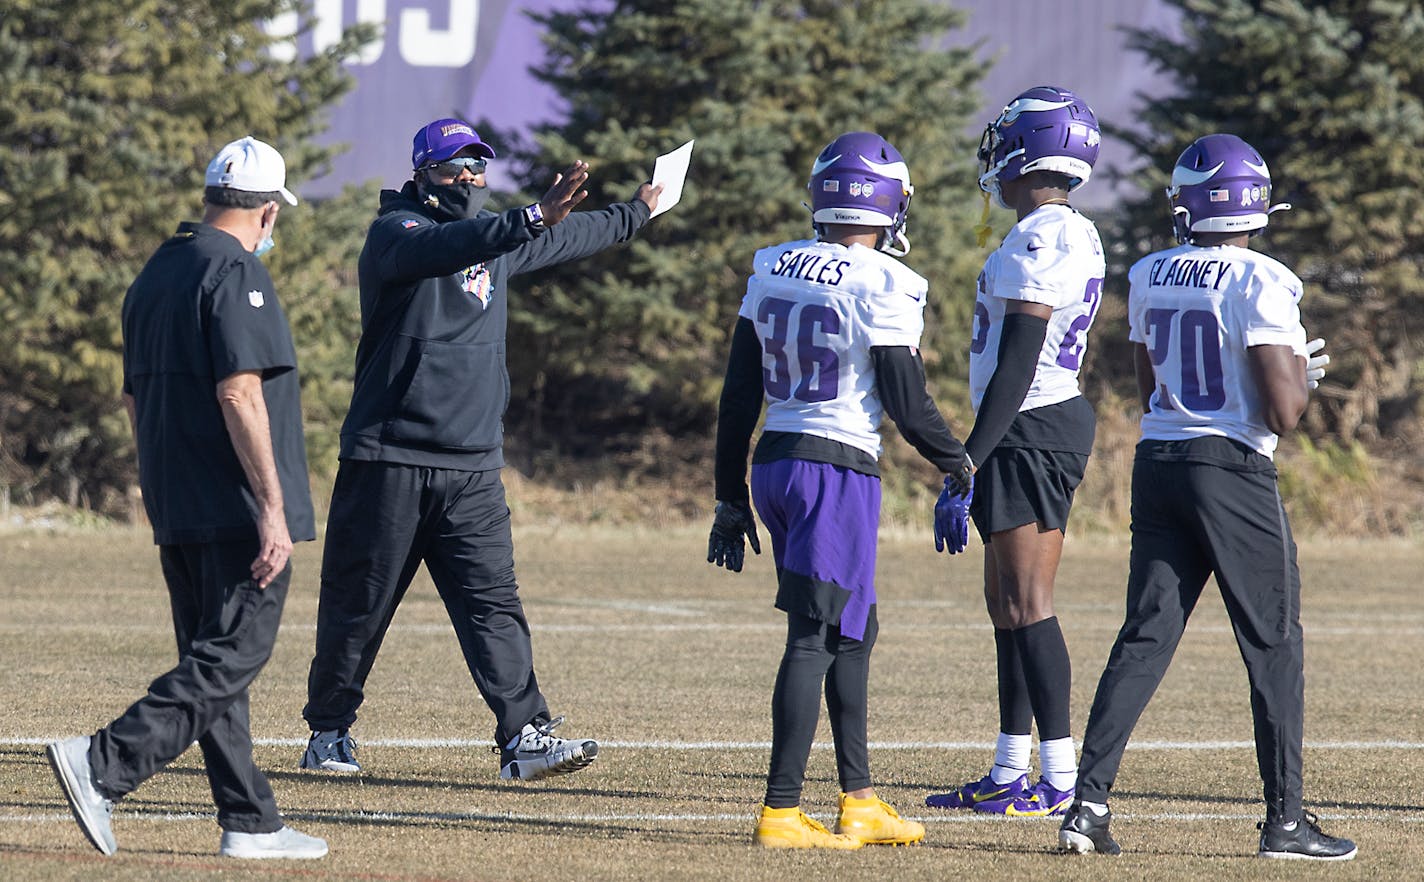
<point x="431" y="381"/>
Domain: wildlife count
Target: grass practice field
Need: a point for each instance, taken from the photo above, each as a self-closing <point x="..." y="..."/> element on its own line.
<point x="669" y="663"/>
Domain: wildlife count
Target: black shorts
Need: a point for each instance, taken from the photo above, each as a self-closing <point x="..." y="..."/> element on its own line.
<point x="1019" y="485"/>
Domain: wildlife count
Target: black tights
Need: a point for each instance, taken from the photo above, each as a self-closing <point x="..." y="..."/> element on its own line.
<point x="816" y="653"/>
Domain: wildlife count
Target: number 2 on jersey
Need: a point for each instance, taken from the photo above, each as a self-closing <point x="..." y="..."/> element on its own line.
<point x="819" y="365"/>
<point x="1070" y="350"/>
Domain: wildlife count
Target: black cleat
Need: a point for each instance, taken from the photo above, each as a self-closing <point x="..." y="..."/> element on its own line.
<point x="1083" y="832"/>
<point x="1303" y="842"/>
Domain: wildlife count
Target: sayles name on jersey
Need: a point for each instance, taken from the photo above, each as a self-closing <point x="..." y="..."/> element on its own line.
<point x="810" y="267"/>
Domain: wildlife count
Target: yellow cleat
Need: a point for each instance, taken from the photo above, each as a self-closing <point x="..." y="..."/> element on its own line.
<point x="793" y="828"/>
<point x="874" y="822"/>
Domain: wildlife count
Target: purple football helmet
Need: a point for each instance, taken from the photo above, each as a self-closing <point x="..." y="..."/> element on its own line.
<point x="1220" y="185"/>
<point x="1043" y="129"/>
<point x="859" y="178"/>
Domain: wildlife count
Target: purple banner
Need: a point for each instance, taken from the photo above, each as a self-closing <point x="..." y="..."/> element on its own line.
<point x="434" y="58"/>
<point x="471" y="59"/>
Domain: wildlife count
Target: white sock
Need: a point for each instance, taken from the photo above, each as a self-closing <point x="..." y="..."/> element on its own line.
<point x="1096" y="808"/>
<point x="1011" y="755"/>
<point x="1059" y="763"/>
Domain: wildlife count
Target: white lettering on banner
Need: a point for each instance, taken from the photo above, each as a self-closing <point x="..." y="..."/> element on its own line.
<point x="283" y="29"/>
<point x="420" y="44"/>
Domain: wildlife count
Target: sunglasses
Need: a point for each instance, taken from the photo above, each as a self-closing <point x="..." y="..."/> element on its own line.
<point x="452" y="167"/>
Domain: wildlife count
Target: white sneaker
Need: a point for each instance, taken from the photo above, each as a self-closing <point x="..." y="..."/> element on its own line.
<point x="70" y="761"/>
<point x="331" y="750"/>
<point x="535" y="753"/>
<point x="284" y="843"/>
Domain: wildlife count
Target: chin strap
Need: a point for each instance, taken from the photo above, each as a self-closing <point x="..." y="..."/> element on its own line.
<point x="982" y="230"/>
<point x="896" y="245"/>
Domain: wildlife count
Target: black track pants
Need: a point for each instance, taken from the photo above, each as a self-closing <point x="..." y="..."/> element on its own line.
<point x="225" y="626"/>
<point x="1191" y="520"/>
<point x="386" y="520"/>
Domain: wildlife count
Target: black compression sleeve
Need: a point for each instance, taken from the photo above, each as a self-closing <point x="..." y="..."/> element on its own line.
<point x="738" y="412"/>
<point x="900" y="382"/>
<point x="1019" y="346"/>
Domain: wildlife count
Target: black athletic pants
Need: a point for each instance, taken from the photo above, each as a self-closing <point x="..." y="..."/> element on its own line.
<point x="225" y="627"/>
<point x="816" y="656"/>
<point x="386" y="520"/>
<point x="1191" y="520"/>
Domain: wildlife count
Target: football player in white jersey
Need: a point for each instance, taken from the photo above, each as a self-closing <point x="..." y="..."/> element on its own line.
<point x="828" y="334"/>
<point x="1223" y="368"/>
<point x="1033" y="432"/>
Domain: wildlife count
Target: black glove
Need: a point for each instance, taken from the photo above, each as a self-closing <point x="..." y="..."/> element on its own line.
<point x="960" y="478"/>
<point x="724" y="546"/>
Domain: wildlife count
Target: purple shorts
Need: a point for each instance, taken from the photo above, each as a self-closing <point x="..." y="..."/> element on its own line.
<point x="824" y="522"/>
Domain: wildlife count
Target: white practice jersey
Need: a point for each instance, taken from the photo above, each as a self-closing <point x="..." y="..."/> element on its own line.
<point x="1197" y="310"/>
<point x="1053" y="257"/>
<point x="818" y="307"/>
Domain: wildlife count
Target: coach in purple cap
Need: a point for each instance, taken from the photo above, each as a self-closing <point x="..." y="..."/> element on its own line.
<point x="421" y="448"/>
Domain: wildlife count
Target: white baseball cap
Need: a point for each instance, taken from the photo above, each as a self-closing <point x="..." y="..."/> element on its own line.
<point x="250" y="165"/>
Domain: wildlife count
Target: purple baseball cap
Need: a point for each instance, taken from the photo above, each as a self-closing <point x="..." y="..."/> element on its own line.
<point x="443" y="138"/>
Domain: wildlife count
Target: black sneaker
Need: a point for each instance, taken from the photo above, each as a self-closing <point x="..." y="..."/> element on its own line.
<point x="1084" y="832"/>
<point x="1303" y="842"/>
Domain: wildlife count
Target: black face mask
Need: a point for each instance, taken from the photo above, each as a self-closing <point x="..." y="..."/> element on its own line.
<point x="456" y="201"/>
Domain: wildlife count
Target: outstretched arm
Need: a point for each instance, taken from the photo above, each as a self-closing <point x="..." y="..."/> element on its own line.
<point x="587" y="232"/>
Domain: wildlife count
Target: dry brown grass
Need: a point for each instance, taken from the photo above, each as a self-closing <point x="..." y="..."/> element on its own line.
<point x="637" y="641"/>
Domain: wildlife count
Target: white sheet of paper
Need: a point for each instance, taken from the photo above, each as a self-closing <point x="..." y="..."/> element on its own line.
<point x="671" y="171"/>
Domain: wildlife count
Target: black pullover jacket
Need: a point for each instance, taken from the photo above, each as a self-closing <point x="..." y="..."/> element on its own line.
<point x="431" y="380"/>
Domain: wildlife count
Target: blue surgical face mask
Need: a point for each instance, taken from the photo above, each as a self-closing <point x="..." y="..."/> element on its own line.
<point x="266" y="244"/>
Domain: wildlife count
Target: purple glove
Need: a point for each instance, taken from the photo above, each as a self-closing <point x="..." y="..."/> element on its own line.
<point x="951" y="517"/>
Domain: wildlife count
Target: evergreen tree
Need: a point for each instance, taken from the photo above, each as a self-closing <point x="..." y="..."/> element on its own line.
<point x="611" y="351"/>
<point x="1332" y="94"/>
<point x="109" y="113"/>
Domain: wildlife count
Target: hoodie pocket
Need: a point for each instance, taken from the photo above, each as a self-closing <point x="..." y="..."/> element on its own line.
<point x="455" y="398"/>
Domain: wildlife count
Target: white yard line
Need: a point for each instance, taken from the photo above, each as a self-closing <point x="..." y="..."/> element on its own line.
<point x="467" y="743"/>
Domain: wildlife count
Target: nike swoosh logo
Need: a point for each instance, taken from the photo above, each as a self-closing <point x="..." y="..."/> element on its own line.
<point x="1258" y="169"/>
<point x="1186" y="177"/>
<point x="1029" y="105"/>
<point x="821" y="165"/>
<point x="1033" y="247"/>
<point x="894" y="170"/>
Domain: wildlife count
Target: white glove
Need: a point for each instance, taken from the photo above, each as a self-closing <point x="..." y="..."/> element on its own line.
<point x="1315" y="364"/>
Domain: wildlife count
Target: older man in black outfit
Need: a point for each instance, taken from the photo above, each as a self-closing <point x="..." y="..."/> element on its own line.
<point x="210" y="384"/>
<point x="421" y="448"/>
